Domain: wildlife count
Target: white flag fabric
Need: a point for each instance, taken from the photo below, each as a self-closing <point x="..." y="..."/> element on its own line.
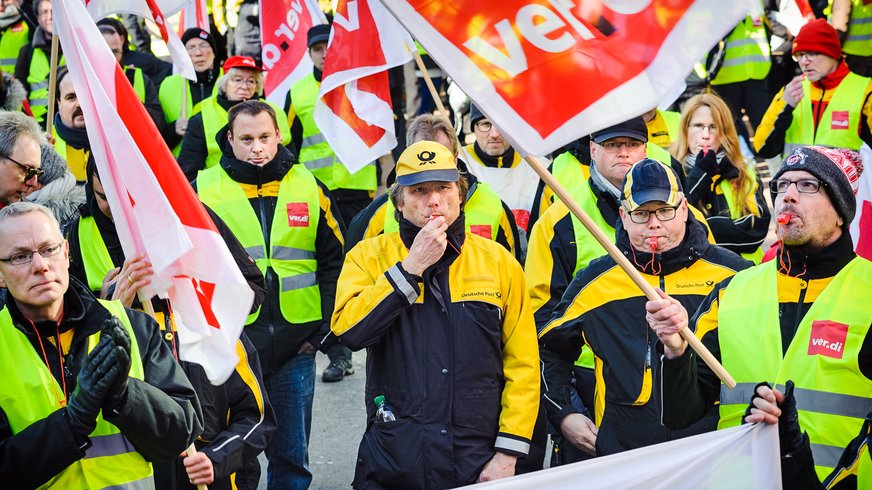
<point x="861" y="227"/>
<point x="196" y="15"/>
<point x="154" y="208"/>
<point x="354" y="110"/>
<point x="744" y="457"/>
<point x="157" y="11"/>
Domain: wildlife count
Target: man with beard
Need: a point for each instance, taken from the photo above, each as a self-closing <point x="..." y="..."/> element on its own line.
<point x="803" y="317"/>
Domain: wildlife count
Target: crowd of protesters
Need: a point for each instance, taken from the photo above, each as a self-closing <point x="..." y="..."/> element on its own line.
<point x="501" y="337"/>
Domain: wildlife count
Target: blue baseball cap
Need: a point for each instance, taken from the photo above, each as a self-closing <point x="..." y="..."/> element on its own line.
<point x="649" y="180"/>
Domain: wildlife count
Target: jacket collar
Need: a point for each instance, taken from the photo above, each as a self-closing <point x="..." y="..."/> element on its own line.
<point x="77" y="301"/>
<point x="503" y="161"/>
<point x="825" y="263"/>
<point x="606" y="204"/>
<point x="456" y="236"/>
<point x="690" y="249"/>
<point x="77" y="138"/>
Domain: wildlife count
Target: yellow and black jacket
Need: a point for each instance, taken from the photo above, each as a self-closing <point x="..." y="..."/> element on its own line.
<point x="370" y="222"/>
<point x="454" y="353"/>
<point x="690" y="386"/>
<point x="605" y="310"/>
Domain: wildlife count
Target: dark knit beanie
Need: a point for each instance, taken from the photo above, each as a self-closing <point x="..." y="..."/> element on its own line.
<point x="820" y="37"/>
<point x="475" y="114"/>
<point x="200" y="34"/>
<point x="53" y="165"/>
<point x="839" y="171"/>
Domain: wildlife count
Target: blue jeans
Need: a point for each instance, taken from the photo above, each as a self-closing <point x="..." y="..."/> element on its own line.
<point x="291" y="390"/>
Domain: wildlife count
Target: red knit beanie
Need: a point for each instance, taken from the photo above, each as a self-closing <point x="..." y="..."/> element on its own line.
<point x="820" y="37"/>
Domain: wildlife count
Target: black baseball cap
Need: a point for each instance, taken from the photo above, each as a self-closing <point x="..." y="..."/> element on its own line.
<point x="318" y="34"/>
<point x="634" y="128"/>
<point x="649" y="180"/>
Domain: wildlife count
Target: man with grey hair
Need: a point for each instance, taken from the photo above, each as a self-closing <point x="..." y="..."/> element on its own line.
<point x="242" y="80"/>
<point x="82" y="378"/>
<point x="20" y="162"/>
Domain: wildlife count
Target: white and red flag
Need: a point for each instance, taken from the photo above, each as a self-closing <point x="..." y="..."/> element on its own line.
<point x="194" y="15"/>
<point x="154" y="208"/>
<point x="861" y="227"/>
<point x="547" y="72"/>
<point x="354" y="111"/>
<point x="284" y="26"/>
<point x="157" y="11"/>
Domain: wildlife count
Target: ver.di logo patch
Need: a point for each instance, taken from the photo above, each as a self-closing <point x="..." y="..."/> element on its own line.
<point x="298" y="214"/>
<point x="827" y="339"/>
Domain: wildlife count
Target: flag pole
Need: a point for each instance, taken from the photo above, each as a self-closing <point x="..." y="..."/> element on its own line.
<point x="625" y="264"/>
<point x="429" y="82"/>
<point x="600" y="237"/>
<point x="149" y="309"/>
<point x="52" y="81"/>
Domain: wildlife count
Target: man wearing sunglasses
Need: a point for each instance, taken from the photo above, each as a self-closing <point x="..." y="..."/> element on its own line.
<point x="20" y="162"/>
<point x="603" y="309"/>
<point x="826" y="105"/>
<point x="803" y="317"/>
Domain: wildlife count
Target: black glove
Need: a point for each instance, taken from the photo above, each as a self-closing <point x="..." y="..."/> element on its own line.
<point x="707" y="161"/>
<point x="117" y="395"/>
<point x="789" y="432"/>
<point x="98" y="374"/>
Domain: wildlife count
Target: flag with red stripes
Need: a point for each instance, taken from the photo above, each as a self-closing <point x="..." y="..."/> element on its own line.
<point x="194" y="15"/>
<point x="154" y="207"/>
<point x="354" y="111"/>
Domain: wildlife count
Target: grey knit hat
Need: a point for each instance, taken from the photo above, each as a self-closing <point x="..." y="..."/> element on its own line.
<point x="838" y="169"/>
<point x="53" y="165"/>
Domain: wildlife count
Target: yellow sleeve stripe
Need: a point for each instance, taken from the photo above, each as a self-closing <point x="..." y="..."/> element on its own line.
<point x="331" y="220"/>
<point x="376" y="224"/>
<point x="248" y="377"/>
<point x="507" y="230"/>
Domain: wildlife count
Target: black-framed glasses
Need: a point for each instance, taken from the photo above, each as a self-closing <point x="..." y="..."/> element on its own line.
<point x="29" y="172"/>
<point x="484" y="126"/>
<point x="22" y="258"/>
<point x="641" y="216"/>
<point x="617" y="145"/>
<point x="805" y="186"/>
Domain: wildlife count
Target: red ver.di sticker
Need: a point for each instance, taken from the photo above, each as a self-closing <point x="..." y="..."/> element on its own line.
<point x="840" y="120"/>
<point x="827" y="339"/>
<point x="298" y="214"/>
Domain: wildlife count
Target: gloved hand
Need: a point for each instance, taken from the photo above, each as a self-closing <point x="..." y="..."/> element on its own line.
<point x="707" y="161"/>
<point x="98" y="374"/>
<point x="789" y="432"/>
<point x="117" y="395"/>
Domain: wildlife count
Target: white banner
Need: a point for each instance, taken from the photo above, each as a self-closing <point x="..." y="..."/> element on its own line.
<point x="744" y="457"/>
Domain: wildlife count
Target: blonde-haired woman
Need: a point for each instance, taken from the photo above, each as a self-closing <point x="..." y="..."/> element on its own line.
<point x="719" y="181"/>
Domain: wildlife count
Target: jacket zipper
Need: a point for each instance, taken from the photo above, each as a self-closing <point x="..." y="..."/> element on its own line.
<point x="266" y="238"/>
<point x="803" y="287"/>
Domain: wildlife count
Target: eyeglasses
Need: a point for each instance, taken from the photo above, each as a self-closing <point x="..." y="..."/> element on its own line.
<point x="809" y="55"/>
<point x="29" y="172"/>
<point x="641" y="216"/>
<point x="617" y="145"/>
<point x="198" y="47"/>
<point x="805" y="186"/>
<point x="246" y="81"/>
<point x="484" y="126"/>
<point x="22" y="258"/>
<point x="697" y="127"/>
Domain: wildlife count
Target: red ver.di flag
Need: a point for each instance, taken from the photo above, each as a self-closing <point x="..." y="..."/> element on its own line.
<point x="283" y="26"/>
<point x="354" y="111"/>
<point x="547" y="72"/>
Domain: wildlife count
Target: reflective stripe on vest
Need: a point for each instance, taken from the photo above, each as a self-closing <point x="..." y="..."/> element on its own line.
<point x="746" y="54"/>
<point x="833" y="396"/>
<point x="31" y="394"/>
<point x="483" y="212"/>
<point x="38" y="80"/>
<point x="839" y="125"/>
<point x="11" y="41"/>
<point x="315" y="152"/>
<point x="292" y="235"/>
<point x="725" y="187"/>
<point x="215" y="118"/>
<point x="76" y="158"/>
<point x="95" y="256"/>
<point x="859" y="37"/>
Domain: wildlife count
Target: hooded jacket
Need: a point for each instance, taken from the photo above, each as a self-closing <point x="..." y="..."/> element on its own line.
<point x="604" y="309"/>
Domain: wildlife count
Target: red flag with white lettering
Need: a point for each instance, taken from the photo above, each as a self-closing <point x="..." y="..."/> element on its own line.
<point x="284" y="25"/>
<point x="354" y="111"/>
<point x="153" y="206"/>
<point x="157" y="11"/>
<point x="547" y="72"/>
